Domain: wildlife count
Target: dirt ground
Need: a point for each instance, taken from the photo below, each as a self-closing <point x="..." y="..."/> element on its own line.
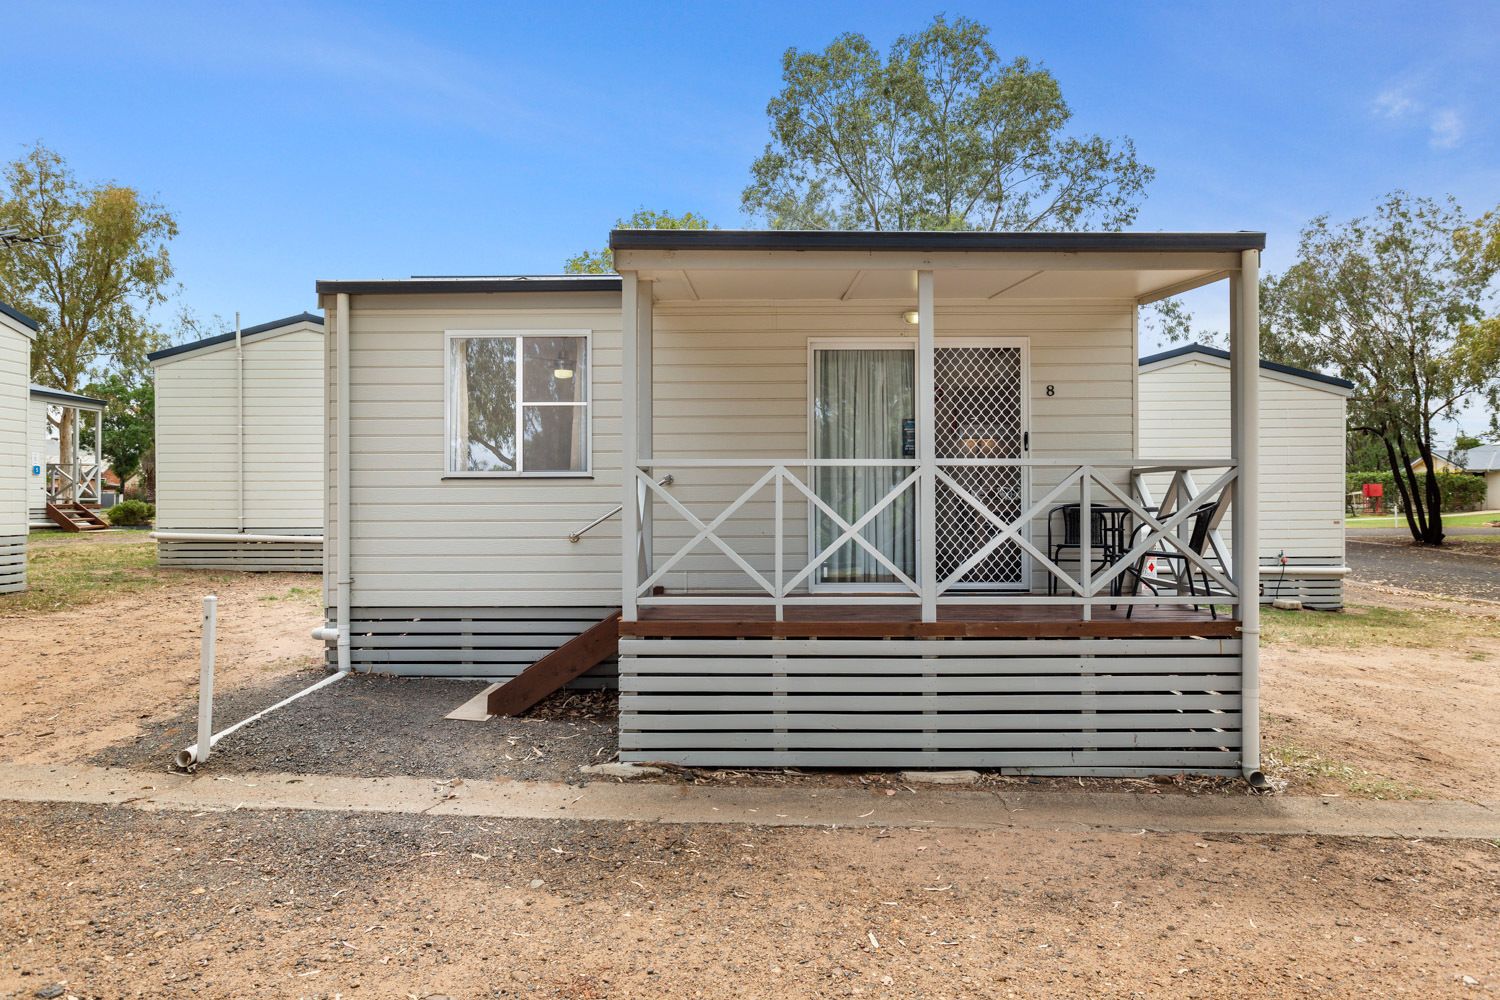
<point x="115" y="902"/>
<point x="118" y="902"/>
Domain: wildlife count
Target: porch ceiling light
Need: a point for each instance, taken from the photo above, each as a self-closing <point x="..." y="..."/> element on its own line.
<point x="561" y="373"/>
<point x="910" y="316"/>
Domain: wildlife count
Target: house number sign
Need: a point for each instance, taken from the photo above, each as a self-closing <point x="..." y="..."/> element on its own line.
<point x="1052" y="390"/>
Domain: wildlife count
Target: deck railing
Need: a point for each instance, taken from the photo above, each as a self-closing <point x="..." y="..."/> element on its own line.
<point x="74" y="482"/>
<point x="1093" y="485"/>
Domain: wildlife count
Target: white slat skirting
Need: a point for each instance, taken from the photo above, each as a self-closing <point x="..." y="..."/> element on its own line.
<point x="12" y="563"/>
<point x="480" y="643"/>
<point x="1321" y="593"/>
<point x="1058" y="706"/>
<point x="259" y="557"/>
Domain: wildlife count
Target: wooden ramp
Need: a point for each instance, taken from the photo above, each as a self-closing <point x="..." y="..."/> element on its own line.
<point x="75" y="517"/>
<point x="567" y="662"/>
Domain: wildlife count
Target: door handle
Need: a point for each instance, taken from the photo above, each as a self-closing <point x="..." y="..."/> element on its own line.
<point x="1026" y="441"/>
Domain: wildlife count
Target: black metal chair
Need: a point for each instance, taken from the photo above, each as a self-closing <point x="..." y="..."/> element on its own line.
<point x="1202" y="521"/>
<point x="1105" y="537"/>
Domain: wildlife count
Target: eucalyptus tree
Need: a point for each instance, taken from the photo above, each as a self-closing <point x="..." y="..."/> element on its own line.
<point x="88" y="262"/>
<point x="1401" y="303"/>
<point x="602" y="261"/>
<point x="937" y="133"/>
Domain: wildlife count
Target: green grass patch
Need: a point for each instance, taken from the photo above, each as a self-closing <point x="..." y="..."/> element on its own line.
<point x="1296" y="764"/>
<point x="1477" y="519"/>
<point x="67" y="571"/>
<point x="298" y="595"/>
<point x="1360" y="626"/>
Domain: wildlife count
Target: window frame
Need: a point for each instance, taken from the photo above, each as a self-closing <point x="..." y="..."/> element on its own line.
<point x="587" y="404"/>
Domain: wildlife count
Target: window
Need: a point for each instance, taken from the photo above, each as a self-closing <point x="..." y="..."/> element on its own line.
<point x="518" y="404"/>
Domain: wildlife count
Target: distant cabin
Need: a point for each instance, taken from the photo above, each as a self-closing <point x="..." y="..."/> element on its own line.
<point x="1481" y="461"/>
<point x="60" y="494"/>
<point x="17" y="330"/>
<point x="239" y="449"/>
<point x="1184" y="415"/>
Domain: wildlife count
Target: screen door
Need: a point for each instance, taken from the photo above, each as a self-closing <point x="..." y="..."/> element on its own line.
<point x="980" y="389"/>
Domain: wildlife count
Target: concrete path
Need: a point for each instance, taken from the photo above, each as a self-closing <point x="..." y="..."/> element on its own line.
<point x="671" y="803"/>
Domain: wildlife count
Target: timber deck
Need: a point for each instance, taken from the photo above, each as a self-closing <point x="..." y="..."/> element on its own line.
<point x="885" y="621"/>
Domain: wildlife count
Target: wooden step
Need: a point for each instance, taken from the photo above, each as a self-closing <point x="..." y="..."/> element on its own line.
<point x="567" y="662"/>
<point x="75" y="517"/>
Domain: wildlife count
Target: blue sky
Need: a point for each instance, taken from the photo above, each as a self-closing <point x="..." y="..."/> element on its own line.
<point x="319" y="140"/>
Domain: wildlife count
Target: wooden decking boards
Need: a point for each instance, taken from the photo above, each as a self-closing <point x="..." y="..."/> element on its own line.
<point x="75" y="517"/>
<point x="567" y="662"/>
<point x="894" y="621"/>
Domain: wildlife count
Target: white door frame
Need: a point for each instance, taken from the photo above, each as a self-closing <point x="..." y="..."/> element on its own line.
<point x="815" y="585"/>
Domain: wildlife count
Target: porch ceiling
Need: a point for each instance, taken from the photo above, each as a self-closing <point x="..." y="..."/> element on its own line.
<point x="677" y="284"/>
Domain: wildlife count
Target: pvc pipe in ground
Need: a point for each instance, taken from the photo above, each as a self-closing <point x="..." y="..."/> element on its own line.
<point x="188" y="757"/>
<point x="231" y="536"/>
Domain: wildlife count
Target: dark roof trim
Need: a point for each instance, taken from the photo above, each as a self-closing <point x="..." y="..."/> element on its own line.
<point x="923" y="242"/>
<point x="506" y="283"/>
<point x="60" y="396"/>
<point x="228" y="338"/>
<point x="1270" y="366"/>
<point x="19" y="316"/>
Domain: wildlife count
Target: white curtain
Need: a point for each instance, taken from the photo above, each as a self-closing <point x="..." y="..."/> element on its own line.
<point x="863" y="400"/>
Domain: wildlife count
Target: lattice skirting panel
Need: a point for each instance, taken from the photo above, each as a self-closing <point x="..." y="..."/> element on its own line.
<point x="1037" y="706"/>
<point x="484" y="643"/>
<point x="1320" y="593"/>
<point x="12" y="563"/>
<point x="263" y="557"/>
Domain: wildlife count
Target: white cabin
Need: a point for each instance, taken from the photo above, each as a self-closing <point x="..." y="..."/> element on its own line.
<point x="62" y="494"/>
<point x="17" y="330"/>
<point x="239" y="435"/>
<point x="1184" y="414"/>
<point x="858" y="499"/>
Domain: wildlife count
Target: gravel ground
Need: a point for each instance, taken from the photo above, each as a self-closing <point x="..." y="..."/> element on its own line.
<point x="1388" y="560"/>
<point x="119" y="902"/>
<point x="369" y="726"/>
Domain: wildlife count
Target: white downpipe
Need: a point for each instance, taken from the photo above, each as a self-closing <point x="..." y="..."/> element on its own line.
<point x="1245" y="381"/>
<point x="239" y="403"/>
<point x="1292" y="571"/>
<point x="230" y="536"/>
<point x="198" y="752"/>
<point x="345" y="580"/>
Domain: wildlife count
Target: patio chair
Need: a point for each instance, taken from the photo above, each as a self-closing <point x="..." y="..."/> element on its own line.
<point x="1105" y="537"/>
<point x="1202" y="521"/>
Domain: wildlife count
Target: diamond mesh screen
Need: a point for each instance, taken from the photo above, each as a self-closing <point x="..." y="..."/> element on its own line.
<point x="978" y="404"/>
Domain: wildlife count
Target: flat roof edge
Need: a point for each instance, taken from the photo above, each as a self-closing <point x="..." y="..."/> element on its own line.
<point x="286" y="322"/>
<point x="19" y="316"/>
<point x="497" y="285"/>
<point x="1222" y="355"/>
<point x="923" y="241"/>
<point x="63" y="396"/>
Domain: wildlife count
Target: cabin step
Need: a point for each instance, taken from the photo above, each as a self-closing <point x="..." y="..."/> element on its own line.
<point x="566" y="663"/>
<point x="75" y="517"/>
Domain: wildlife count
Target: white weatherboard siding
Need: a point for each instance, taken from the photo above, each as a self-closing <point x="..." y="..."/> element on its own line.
<point x="196" y="437"/>
<point x="425" y="541"/>
<point x="1184" y="414"/>
<point x="15" y="469"/>
<point x="731" y="380"/>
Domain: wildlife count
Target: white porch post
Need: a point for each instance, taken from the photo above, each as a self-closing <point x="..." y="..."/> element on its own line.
<point x="99" y="459"/>
<point x="76" y="472"/>
<point x="629" y="437"/>
<point x="1244" y="362"/>
<point x="645" y="395"/>
<point x="926" y="449"/>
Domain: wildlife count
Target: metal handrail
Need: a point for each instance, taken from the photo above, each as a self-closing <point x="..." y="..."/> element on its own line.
<point x="575" y="536"/>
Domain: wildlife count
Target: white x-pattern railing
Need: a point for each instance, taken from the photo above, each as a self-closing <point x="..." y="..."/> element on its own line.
<point x="74" y="482"/>
<point x="1090" y="484"/>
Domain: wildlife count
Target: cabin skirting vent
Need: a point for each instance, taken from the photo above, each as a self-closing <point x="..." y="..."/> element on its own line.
<point x="1035" y="706"/>
<point x="12" y="563"/>
<point x="483" y="643"/>
<point x="262" y="557"/>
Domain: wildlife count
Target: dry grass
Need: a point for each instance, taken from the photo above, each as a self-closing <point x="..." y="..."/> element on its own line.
<point x="68" y="571"/>
<point x="1359" y="626"/>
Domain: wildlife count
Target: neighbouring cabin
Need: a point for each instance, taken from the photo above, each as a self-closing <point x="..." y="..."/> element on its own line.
<point x="1184" y="414"/>
<point x="859" y="499"/>
<point x="1483" y="461"/>
<point x="17" y="330"/>
<point x="239" y="439"/>
<point x="67" y="486"/>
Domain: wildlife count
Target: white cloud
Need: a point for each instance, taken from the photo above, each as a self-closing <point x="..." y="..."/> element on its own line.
<point x="1396" y="103"/>
<point x="1447" y="128"/>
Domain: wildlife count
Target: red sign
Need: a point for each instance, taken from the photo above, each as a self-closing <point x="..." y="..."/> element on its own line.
<point x="1374" y="490"/>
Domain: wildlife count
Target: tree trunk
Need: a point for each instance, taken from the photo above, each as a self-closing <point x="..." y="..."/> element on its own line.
<point x="1398" y="465"/>
<point x="1433" y="535"/>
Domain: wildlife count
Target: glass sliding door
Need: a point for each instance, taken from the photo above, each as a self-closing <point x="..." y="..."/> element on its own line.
<point x="864" y="406"/>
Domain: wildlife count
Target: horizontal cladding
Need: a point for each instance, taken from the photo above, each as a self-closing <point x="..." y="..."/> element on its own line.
<point x="483" y="643"/>
<point x="12" y="563"/>
<point x="263" y="557"/>
<point x="15" y="450"/>
<point x="1067" y="706"/>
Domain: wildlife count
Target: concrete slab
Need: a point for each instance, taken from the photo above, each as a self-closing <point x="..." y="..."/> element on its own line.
<point x="476" y="709"/>
<point x="675" y="803"/>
